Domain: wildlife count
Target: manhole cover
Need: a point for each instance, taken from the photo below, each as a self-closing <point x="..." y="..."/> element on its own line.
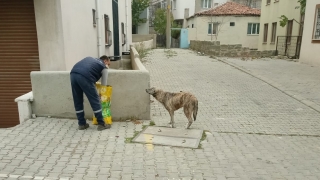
<point x="170" y="136"/>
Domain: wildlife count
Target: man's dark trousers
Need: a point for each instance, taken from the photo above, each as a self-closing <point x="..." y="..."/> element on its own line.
<point x="80" y="85"/>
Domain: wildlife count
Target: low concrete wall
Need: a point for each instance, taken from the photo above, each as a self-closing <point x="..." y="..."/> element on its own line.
<point x="24" y="106"/>
<point x="144" y="44"/>
<point x="136" y="38"/>
<point x="53" y="95"/>
<point x="214" y="48"/>
<point x="143" y="37"/>
<point x="135" y="60"/>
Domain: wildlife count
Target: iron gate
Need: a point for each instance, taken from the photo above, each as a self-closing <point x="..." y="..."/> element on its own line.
<point x="289" y="46"/>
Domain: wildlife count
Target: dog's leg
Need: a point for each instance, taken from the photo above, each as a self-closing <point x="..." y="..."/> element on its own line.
<point x="187" y="111"/>
<point x="172" y="119"/>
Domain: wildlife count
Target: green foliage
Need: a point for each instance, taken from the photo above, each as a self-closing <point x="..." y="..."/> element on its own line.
<point x="160" y="21"/>
<point x="175" y="33"/>
<point x="283" y="21"/>
<point x="302" y="6"/>
<point x="138" y="6"/>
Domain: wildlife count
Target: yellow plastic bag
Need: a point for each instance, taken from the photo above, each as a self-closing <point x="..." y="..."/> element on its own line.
<point x="105" y="93"/>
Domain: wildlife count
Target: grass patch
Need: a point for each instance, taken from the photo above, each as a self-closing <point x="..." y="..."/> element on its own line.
<point x="143" y="52"/>
<point x="152" y="123"/>
<point x="170" y="53"/>
<point x="129" y="140"/>
<point x="203" y="137"/>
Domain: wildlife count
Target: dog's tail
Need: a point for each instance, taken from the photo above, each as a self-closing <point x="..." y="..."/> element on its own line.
<point x="195" y="109"/>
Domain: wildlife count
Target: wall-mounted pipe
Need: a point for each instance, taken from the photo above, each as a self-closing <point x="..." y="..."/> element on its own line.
<point x="127" y="44"/>
<point x="98" y="28"/>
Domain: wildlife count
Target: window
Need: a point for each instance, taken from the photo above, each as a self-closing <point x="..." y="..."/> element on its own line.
<point x="212" y="28"/>
<point x="253" y="28"/>
<point x="192" y="26"/>
<point x="273" y="32"/>
<point x="123" y="34"/>
<point x="265" y="33"/>
<point x="289" y="30"/>
<point x="268" y="2"/>
<point x="94" y="17"/>
<point x="232" y="23"/>
<point x="316" y="28"/>
<point x="174" y="4"/>
<point x="216" y="4"/>
<point x="206" y="3"/>
<point x="107" y="32"/>
<point x="164" y="5"/>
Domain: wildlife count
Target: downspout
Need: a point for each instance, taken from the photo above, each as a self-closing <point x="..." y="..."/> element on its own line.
<point x="126" y="40"/>
<point x="98" y="28"/>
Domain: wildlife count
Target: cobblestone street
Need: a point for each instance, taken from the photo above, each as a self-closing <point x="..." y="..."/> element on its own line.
<point x="256" y="131"/>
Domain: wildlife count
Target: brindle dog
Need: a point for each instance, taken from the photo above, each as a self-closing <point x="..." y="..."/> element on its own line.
<point x="174" y="101"/>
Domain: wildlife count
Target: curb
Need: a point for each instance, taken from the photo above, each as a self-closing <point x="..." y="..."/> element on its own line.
<point x="277" y="86"/>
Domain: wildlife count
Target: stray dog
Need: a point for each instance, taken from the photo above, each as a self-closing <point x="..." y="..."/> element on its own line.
<point x="174" y="101"/>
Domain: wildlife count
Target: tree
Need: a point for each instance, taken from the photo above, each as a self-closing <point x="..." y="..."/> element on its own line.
<point x="138" y="6"/>
<point x="160" y="21"/>
<point x="284" y="19"/>
<point x="175" y="33"/>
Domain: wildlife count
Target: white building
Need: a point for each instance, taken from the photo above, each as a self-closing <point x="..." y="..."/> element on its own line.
<point x="52" y="35"/>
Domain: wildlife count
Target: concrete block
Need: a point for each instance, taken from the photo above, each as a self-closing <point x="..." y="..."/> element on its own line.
<point x="24" y="106"/>
<point x="53" y="95"/>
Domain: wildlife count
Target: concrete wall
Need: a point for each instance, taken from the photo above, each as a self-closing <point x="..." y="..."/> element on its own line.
<point x="144" y="37"/>
<point x="50" y="35"/>
<point x="137" y="38"/>
<point x="310" y="49"/>
<point x="79" y="34"/>
<point x="228" y="34"/>
<point x="135" y="60"/>
<point x="271" y="13"/>
<point x="66" y="33"/>
<point x="227" y="50"/>
<point x="144" y="44"/>
<point x="53" y="95"/>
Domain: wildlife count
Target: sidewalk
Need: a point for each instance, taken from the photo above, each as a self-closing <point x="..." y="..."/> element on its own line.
<point x="297" y="79"/>
<point x="256" y="132"/>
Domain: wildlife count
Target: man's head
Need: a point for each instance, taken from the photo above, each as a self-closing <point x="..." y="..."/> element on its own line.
<point x="106" y="60"/>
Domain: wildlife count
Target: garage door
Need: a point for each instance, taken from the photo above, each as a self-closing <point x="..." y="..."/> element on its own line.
<point x="18" y="55"/>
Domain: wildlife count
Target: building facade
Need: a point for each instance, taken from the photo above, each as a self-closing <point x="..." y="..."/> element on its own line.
<point x="311" y="34"/>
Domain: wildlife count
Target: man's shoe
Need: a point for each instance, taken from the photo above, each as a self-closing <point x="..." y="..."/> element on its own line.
<point x="83" y="127"/>
<point x="103" y="127"/>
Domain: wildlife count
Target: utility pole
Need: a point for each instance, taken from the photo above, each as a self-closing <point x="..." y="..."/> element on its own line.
<point x="168" y="29"/>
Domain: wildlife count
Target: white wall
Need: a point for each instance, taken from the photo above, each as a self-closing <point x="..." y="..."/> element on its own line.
<point x="271" y="13"/>
<point x="310" y="49"/>
<point x="178" y="12"/>
<point x="228" y="34"/>
<point x="50" y="35"/>
<point x="79" y="34"/>
<point x="143" y="28"/>
<point x="66" y="33"/>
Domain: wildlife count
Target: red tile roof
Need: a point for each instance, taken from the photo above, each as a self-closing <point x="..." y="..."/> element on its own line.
<point x="230" y="8"/>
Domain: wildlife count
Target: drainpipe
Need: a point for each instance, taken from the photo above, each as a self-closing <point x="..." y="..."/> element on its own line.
<point x="98" y="28"/>
<point x="127" y="48"/>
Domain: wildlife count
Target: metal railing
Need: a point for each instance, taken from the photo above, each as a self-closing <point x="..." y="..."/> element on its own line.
<point x="289" y="46"/>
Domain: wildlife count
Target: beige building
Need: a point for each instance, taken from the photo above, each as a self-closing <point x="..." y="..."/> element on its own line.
<point x="310" y="48"/>
<point x="230" y="23"/>
<point x="270" y="27"/>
